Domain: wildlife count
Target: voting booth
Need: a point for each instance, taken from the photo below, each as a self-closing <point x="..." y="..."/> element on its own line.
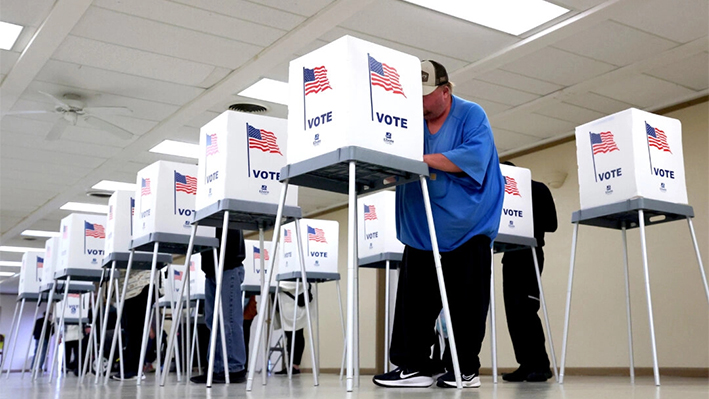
<point x="77" y="306"/>
<point x="30" y="272"/>
<point x="241" y="156"/>
<point x="376" y="225"/>
<point x="197" y="276"/>
<point x="355" y="93"/>
<point x="165" y="200"/>
<point x="51" y="250"/>
<point x="252" y="265"/>
<point x="630" y="154"/>
<point x="517" y="218"/>
<point x="320" y="246"/>
<point x="173" y="278"/>
<point x="119" y="226"/>
<point x="82" y="242"/>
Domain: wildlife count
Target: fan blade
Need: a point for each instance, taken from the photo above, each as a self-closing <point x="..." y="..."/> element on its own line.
<point x="28" y="112"/>
<point x="56" y="100"/>
<point x="109" y="127"/>
<point x="57" y="129"/>
<point x="109" y="110"/>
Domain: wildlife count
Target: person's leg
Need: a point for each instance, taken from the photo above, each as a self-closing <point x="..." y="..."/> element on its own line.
<point x="234" y="319"/>
<point x="299" y="348"/>
<point x="247" y="339"/>
<point x="72" y="355"/>
<point x="132" y="324"/>
<point x="521" y="294"/>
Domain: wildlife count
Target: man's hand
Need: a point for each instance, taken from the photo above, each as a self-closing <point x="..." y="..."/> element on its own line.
<point x="440" y="162"/>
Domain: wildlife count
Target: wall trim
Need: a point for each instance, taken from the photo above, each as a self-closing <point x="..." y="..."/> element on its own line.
<point x="688" y="372"/>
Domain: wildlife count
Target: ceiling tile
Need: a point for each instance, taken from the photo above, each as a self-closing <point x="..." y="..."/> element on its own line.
<point x="580" y="5"/>
<point x="249" y="11"/>
<point x="679" y="21"/>
<point x="59" y="146"/>
<point x="126" y="60"/>
<point x="36" y="181"/>
<point x="18" y="198"/>
<point x="490" y="107"/>
<point x="692" y="72"/>
<point x="129" y="31"/>
<point x="8" y="60"/>
<point x="189" y="17"/>
<point x="519" y="82"/>
<point x="506" y="140"/>
<point x="557" y="66"/>
<point x="493" y="92"/>
<point x="26" y="12"/>
<point x="305" y="8"/>
<point x="419" y="27"/>
<point x="570" y="113"/>
<point x="50" y="157"/>
<point x="615" y="44"/>
<point x="13" y="167"/>
<point x="533" y="125"/>
<point x="602" y="104"/>
<point x="643" y="90"/>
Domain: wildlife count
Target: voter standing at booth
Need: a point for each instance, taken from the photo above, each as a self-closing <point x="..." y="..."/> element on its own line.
<point x="466" y="190"/>
<point x="521" y="293"/>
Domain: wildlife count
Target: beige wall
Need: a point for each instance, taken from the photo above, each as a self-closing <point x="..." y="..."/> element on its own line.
<point x="598" y="332"/>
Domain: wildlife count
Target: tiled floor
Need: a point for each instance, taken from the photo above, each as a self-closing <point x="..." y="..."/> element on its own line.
<point x="331" y="387"/>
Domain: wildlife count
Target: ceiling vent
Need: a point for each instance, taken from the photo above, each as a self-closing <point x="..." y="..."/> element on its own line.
<point x="99" y="194"/>
<point x="250" y="108"/>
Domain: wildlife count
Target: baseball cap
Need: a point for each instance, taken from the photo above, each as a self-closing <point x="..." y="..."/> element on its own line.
<point x="433" y="75"/>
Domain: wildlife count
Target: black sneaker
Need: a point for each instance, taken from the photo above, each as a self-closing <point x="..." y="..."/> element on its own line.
<point x="527" y="374"/>
<point x="403" y="378"/>
<point x="447" y="380"/>
<point x="127" y="377"/>
<point x="539" y="376"/>
<point x="218" y="378"/>
<point x="285" y="371"/>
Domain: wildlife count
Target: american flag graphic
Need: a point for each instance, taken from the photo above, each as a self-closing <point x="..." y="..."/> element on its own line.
<point x="212" y="147"/>
<point x="132" y="206"/>
<point x="287" y="236"/>
<point x="315" y="80"/>
<point x="110" y="212"/>
<point x="192" y="266"/>
<point x="384" y="76"/>
<point x="370" y="213"/>
<point x="94" y="230"/>
<point x="262" y="140"/>
<point x="257" y="253"/>
<point x="73" y="295"/>
<point x="65" y="232"/>
<point x="511" y="186"/>
<point x="144" y="187"/>
<point x="185" y="183"/>
<point x="40" y="262"/>
<point x="657" y="138"/>
<point x="178" y="275"/>
<point x="603" y="142"/>
<point x="317" y="235"/>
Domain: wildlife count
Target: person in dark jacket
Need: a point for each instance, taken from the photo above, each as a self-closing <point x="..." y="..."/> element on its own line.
<point x="231" y="304"/>
<point x="521" y="294"/>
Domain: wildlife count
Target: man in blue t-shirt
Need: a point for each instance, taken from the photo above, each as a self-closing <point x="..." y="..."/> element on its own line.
<point x="466" y="189"/>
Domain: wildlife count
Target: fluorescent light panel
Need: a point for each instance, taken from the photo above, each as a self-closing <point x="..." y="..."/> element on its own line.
<point x="178" y="148"/>
<point x="7" y="274"/>
<point x="9" y="263"/>
<point x="511" y="16"/>
<point x="268" y="90"/>
<point x="8" y="35"/>
<point x="84" y="207"/>
<point x="110" y="185"/>
<point x="40" y="233"/>
<point x="7" y="248"/>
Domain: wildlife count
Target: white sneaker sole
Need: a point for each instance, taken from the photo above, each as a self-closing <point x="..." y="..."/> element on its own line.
<point x="474" y="383"/>
<point x="413" y="382"/>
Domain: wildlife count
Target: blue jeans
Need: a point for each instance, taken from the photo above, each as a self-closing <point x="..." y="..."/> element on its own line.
<point x="233" y="319"/>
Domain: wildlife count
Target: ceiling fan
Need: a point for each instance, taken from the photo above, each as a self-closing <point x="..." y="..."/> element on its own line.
<point x="70" y="109"/>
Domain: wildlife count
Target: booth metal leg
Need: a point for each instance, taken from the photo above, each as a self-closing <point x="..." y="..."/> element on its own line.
<point x="267" y="337"/>
<point x="81" y="333"/>
<point x="344" y="331"/>
<point x="264" y="290"/>
<point x="568" y="303"/>
<point x="351" y="265"/>
<point x="627" y="303"/>
<point x="304" y="281"/>
<point x="646" y="272"/>
<point x="295" y="316"/>
<point x="12" y="328"/>
<point x="546" y="314"/>
<point x="14" y="341"/>
<point x="493" y="319"/>
<point x="146" y="326"/>
<point x="40" y="349"/>
<point x="317" y="324"/>
<point x="34" y="322"/>
<point x="109" y="292"/>
<point x="218" y="274"/>
<point x="441" y="282"/>
<point x="193" y="342"/>
<point x="387" y="336"/>
<point x="95" y="312"/>
<point x="60" y="329"/>
<point x="118" y="330"/>
<point x="699" y="257"/>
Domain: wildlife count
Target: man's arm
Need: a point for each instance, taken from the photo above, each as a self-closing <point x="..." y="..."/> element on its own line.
<point x="440" y="162"/>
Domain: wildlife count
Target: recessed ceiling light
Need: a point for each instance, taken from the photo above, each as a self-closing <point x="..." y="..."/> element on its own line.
<point x="8" y="35"/>
<point x="7" y="248"/>
<point x="9" y="263"/>
<point x="40" y="233"/>
<point x="511" y="16"/>
<point x="179" y="148"/>
<point x="84" y="207"/>
<point x="7" y="274"/>
<point x="268" y="90"/>
<point x="110" y="185"/>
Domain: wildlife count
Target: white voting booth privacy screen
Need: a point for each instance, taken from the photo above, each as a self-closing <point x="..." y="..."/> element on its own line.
<point x="197" y="276"/>
<point x="119" y="226"/>
<point x="31" y="272"/>
<point x="77" y="306"/>
<point x="376" y="225"/>
<point x="81" y="244"/>
<point x="252" y="263"/>
<point x="241" y="156"/>
<point x="355" y="93"/>
<point x="320" y="246"/>
<point x="51" y="253"/>
<point x="165" y="200"/>
<point x="517" y="218"/>
<point x="172" y="278"/>
<point x="630" y="154"/>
